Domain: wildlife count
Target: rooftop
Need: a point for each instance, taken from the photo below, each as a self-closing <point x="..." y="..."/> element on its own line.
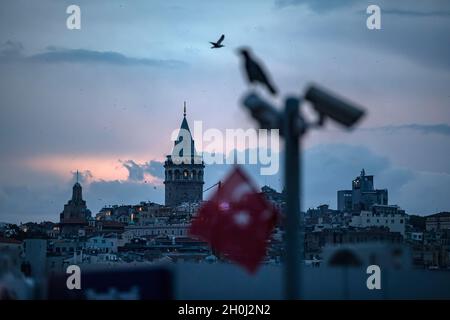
<point x="439" y="215"/>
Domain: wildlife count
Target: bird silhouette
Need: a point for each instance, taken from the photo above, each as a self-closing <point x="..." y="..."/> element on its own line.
<point x="255" y="72"/>
<point x="218" y="44"/>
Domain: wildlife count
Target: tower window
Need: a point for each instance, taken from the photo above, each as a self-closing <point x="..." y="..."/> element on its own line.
<point x="185" y="174"/>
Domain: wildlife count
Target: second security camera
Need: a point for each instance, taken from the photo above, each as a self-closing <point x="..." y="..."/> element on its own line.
<point x="327" y="104"/>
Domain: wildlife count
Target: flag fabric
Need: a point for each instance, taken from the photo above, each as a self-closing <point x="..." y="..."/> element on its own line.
<point x="237" y="221"/>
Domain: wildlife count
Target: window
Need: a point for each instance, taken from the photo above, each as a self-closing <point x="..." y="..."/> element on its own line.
<point x="368" y="220"/>
<point x="392" y="221"/>
<point x="401" y="220"/>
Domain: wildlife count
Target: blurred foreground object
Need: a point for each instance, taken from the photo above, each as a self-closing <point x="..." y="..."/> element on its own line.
<point x="329" y="105"/>
<point x="126" y="283"/>
<point x="13" y="284"/>
<point x="293" y="125"/>
<point x="255" y="72"/>
<point x="237" y="221"/>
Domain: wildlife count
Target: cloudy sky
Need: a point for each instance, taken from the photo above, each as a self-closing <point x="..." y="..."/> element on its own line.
<point x="105" y="99"/>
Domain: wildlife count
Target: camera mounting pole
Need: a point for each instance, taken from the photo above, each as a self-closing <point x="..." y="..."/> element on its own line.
<point x="293" y="126"/>
<point x="293" y="222"/>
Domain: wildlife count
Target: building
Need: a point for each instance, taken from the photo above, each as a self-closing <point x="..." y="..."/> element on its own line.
<point x="416" y="236"/>
<point x="125" y="214"/>
<point x="107" y="226"/>
<point x="183" y="170"/>
<point x="344" y="201"/>
<point x="387" y="254"/>
<point x="322" y="210"/>
<point x="35" y="254"/>
<point x="103" y="243"/>
<point x="76" y="215"/>
<point x="438" y="221"/>
<point x="316" y="241"/>
<point x="362" y="196"/>
<point x="278" y="199"/>
<point x="13" y="248"/>
<point x="390" y="217"/>
<point x="154" y="213"/>
<point x="65" y="247"/>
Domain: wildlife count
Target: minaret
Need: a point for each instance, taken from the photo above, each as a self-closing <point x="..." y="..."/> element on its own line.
<point x="183" y="180"/>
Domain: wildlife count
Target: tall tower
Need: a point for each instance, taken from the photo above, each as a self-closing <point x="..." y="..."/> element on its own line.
<point x="183" y="169"/>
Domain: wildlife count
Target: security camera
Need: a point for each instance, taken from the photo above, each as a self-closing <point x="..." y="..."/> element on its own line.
<point x="327" y="104"/>
<point x="267" y="116"/>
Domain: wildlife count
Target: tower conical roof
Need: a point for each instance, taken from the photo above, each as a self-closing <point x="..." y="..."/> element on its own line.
<point x="185" y="132"/>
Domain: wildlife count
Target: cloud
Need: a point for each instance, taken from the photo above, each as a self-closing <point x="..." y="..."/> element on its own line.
<point x="137" y="172"/>
<point x="405" y="8"/>
<point x="55" y="55"/>
<point x="317" y="6"/>
<point x="155" y="168"/>
<point x="82" y="176"/>
<point x="104" y="109"/>
<point x="409" y="28"/>
<point x="13" y="50"/>
<point x="442" y="128"/>
<point x="413" y="13"/>
<point x="332" y="167"/>
<point x="326" y="169"/>
<point x="101" y="193"/>
<point x="22" y="203"/>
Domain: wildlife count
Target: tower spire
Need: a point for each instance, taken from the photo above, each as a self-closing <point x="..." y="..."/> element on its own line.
<point x="77" y="175"/>
<point x="184" y="113"/>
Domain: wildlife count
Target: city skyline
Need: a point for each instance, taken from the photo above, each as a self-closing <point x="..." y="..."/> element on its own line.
<point x="107" y="97"/>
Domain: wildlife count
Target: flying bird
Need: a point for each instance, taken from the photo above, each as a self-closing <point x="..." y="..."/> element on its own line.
<point x="255" y="72"/>
<point x="218" y="44"/>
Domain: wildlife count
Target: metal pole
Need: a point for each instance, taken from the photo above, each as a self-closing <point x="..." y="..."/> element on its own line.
<point x="293" y="245"/>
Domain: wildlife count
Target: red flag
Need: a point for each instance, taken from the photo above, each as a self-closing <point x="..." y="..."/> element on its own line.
<point x="237" y="221"/>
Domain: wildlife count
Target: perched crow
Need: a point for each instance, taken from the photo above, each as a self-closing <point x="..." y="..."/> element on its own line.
<point x="218" y="44"/>
<point x="255" y="72"/>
